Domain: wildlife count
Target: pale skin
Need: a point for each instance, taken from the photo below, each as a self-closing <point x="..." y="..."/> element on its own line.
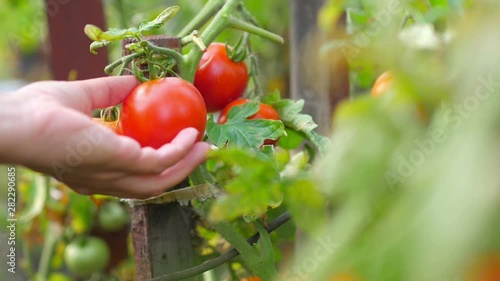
<point x="46" y="126"/>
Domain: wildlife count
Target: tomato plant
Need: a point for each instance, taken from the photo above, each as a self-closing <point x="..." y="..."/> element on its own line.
<point x="86" y="255"/>
<point x="219" y="79"/>
<point x="265" y="112"/>
<point x="156" y="111"/>
<point x="381" y="168"/>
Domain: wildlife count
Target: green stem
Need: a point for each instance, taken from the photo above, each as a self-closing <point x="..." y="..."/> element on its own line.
<point x="229" y="233"/>
<point x="122" y="12"/>
<point x="202" y="17"/>
<point x="179" y="59"/>
<point x="216" y="26"/>
<point x="250" y="28"/>
<point x="247" y="15"/>
<point x="52" y="235"/>
<point x="268" y="270"/>
<point x="124" y="61"/>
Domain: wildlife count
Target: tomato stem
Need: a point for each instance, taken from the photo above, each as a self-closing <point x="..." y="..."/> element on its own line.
<point x="52" y="235"/>
<point x="250" y="28"/>
<point x="216" y="26"/>
<point x="124" y="61"/>
<point x="209" y="10"/>
<point x="179" y="59"/>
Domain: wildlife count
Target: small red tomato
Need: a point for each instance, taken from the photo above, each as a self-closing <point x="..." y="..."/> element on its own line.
<point x="219" y="79"/>
<point x="156" y="111"/>
<point x="265" y="112"/>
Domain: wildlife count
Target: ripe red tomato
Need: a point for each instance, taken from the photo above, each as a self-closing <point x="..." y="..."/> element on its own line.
<point x="265" y="112"/>
<point x="219" y="79"/>
<point x="382" y="84"/>
<point x="156" y="111"/>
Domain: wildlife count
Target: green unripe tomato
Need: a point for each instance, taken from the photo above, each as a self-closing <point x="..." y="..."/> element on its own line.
<point x="112" y="216"/>
<point x="86" y="255"/>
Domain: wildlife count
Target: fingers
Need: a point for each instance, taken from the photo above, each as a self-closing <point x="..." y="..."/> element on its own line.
<point x="147" y="186"/>
<point x="129" y="157"/>
<point x="106" y="91"/>
<point x="144" y="186"/>
<point x="85" y="95"/>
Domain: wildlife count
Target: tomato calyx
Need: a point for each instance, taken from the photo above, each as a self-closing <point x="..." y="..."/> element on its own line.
<point x="239" y="52"/>
<point x="110" y="114"/>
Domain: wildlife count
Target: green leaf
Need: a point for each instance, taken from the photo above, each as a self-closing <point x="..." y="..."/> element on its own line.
<point x="116" y="34"/>
<point x="160" y="20"/>
<point x="241" y="132"/>
<point x="252" y="190"/>
<point x="82" y="212"/>
<point x="256" y="187"/>
<point x="113" y="34"/>
<point x="92" y="31"/>
<point x="290" y="113"/>
<point x="305" y="202"/>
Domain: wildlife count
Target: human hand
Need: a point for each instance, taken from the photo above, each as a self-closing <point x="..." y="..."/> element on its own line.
<point x="47" y="127"/>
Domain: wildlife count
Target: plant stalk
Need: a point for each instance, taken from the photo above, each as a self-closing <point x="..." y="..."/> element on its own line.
<point x="250" y="28"/>
<point x="208" y="11"/>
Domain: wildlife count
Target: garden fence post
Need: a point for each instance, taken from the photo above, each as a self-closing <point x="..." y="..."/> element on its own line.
<point x="320" y="78"/>
<point x="162" y="233"/>
<point x="69" y="44"/>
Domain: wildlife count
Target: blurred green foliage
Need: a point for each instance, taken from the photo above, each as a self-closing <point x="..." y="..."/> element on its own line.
<point x="413" y="196"/>
<point x="23" y="23"/>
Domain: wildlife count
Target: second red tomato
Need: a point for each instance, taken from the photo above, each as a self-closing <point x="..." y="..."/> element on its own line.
<point x="219" y="79"/>
<point x="265" y="112"/>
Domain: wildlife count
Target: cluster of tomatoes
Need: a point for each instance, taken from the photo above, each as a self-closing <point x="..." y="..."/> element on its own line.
<point x="156" y="111"/>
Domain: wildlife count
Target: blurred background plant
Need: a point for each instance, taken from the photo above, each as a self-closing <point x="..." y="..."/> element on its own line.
<point x="412" y="177"/>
